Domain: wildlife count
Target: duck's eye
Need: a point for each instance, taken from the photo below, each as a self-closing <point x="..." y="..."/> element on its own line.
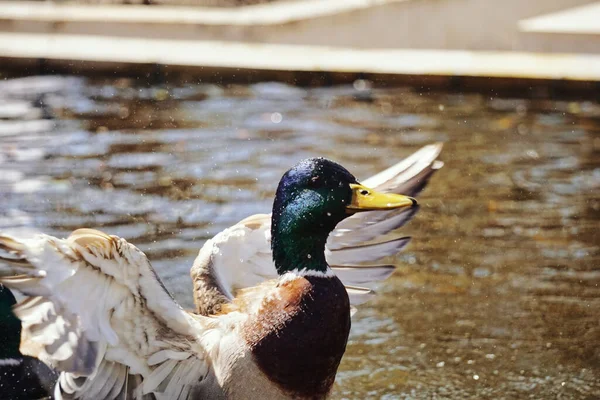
<point x="364" y="192"/>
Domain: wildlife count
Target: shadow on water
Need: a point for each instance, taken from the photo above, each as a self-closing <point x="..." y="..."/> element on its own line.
<point x="498" y="296"/>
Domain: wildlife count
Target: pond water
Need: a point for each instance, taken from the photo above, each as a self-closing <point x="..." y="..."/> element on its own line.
<point x="498" y="295"/>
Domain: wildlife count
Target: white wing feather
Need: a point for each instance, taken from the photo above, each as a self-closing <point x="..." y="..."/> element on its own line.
<point x="99" y="313"/>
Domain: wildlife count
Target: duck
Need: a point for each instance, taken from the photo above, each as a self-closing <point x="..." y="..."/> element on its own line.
<point x="21" y="377"/>
<point x="98" y="312"/>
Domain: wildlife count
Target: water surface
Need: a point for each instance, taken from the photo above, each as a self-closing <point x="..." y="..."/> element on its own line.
<point x="498" y="295"/>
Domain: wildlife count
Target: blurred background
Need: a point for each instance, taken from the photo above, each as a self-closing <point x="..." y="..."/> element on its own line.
<point x="168" y="121"/>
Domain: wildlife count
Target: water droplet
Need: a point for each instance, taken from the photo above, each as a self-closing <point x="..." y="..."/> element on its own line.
<point x="276" y="117"/>
<point x="361" y="84"/>
<point x="532" y="154"/>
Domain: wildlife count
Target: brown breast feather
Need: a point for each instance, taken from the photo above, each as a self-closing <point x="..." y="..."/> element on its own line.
<point x="299" y="335"/>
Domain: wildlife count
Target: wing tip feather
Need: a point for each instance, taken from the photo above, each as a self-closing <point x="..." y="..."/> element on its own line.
<point x="91" y="238"/>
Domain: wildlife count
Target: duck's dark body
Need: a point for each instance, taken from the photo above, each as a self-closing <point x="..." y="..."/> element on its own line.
<point x="25" y="378"/>
<point x="21" y="377"/>
<point x="300" y="336"/>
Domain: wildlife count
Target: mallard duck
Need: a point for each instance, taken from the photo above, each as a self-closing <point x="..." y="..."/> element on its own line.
<point x="21" y="376"/>
<point x="99" y="313"/>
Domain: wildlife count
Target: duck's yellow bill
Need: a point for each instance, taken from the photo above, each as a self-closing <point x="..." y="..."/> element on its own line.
<point x="366" y="199"/>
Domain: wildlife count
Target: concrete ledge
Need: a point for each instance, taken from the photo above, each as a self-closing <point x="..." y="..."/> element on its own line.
<point x="275" y="13"/>
<point x="573" y="30"/>
<point x="215" y="54"/>
<point x="583" y="20"/>
<point x="367" y="24"/>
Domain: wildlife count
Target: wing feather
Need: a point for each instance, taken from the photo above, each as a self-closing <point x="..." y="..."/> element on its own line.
<point x="405" y="176"/>
<point x="359" y="295"/>
<point x="367" y="252"/>
<point x="98" y="312"/>
<point x="369" y="227"/>
<point x="353" y="275"/>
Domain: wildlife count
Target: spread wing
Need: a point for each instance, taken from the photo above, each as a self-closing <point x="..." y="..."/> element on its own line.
<point x="240" y="256"/>
<point x="97" y="312"/>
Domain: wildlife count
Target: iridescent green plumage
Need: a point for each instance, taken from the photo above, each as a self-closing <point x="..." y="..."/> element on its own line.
<point x="310" y="201"/>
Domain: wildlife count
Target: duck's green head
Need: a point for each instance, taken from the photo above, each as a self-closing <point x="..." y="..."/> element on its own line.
<point x="10" y="326"/>
<point x="312" y="198"/>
